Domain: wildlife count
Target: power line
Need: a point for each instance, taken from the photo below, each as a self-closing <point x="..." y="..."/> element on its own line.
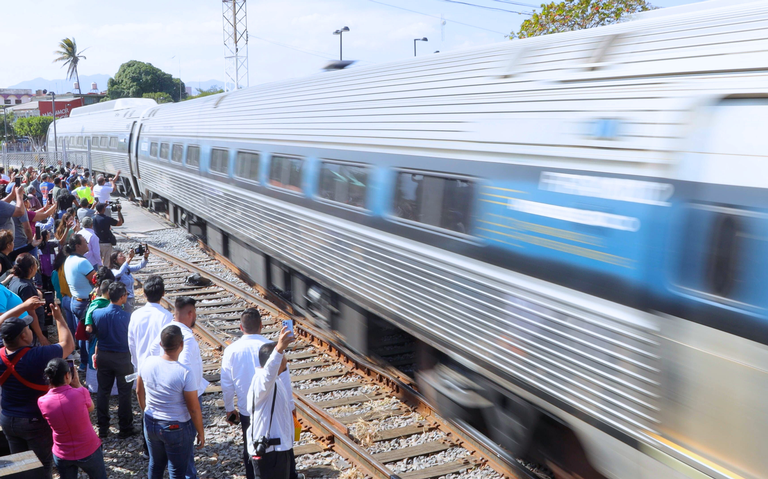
<point x="317" y="54"/>
<point x="518" y="3"/>
<point x="485" y="7"/>
<point x="435" y="16"/>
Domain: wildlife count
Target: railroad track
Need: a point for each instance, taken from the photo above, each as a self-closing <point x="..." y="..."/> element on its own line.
<point x="368" y="414"/>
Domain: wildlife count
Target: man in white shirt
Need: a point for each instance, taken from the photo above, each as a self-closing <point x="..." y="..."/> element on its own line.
<point x="148" y="321"/>
<point x="94" y="249"/>
<point x="102" y="190"/>
<point x="269" y="404"/>
<point x="146" y="325"/>
<point x="185" y="317"/>
<point x="238" y="366"/>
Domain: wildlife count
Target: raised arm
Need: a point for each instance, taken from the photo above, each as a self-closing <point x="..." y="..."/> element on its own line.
<point x="31" y="304"/>
<point x="66" y="341"/>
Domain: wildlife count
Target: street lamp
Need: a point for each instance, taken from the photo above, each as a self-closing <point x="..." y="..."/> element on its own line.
<point x="418" y="40"/>
<point x="340" y="33"/>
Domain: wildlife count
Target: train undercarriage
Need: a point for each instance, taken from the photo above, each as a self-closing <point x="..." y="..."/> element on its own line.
<point x="459" y="391"/>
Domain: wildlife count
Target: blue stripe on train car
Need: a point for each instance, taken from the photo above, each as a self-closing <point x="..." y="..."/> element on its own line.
<point x="598" y="223"/>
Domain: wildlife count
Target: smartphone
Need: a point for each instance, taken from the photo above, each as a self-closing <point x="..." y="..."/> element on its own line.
<point x="18" y="182"/>
<point x="233" y="418"/>
<point x="50" y="198"/>
<point x="288" y="323"/>
<point x="38" y="233"/>
<point x="71" y="363"/>
<point x="49" y="297"/>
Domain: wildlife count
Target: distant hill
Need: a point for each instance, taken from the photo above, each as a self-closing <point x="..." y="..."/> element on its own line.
<point x="66" y="86"/>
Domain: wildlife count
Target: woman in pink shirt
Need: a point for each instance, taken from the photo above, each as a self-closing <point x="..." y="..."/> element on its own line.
<point x="66" y="406"/>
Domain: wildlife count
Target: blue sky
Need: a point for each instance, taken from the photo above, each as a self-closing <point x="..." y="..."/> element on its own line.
<point x="288" y="38"/>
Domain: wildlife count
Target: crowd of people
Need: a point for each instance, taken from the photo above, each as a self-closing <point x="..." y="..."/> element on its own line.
<point x="58" y="263"/>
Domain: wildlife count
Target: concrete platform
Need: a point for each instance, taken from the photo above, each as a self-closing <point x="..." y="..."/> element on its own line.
<point x="138" y="220"/>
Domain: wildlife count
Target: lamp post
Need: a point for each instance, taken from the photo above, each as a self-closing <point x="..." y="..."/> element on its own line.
<point x="55" y="139"/>
<point x="340" y="33"/>
<point x="5" y="124"/>
<point x="418" y="40"/>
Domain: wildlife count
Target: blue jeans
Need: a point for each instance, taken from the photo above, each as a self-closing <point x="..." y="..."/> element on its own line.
<point x="170" y="443"/>
<point x="66" y="309"/>
<point x="79" y="308"/>
<point x="92" y="465"/>
<point x="35" y="435"/>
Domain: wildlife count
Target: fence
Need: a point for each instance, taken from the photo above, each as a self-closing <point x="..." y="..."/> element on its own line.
<point x="44" y="159"/>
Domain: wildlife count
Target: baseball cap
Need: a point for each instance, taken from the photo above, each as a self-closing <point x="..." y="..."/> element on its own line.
<point x="13" y="327"/>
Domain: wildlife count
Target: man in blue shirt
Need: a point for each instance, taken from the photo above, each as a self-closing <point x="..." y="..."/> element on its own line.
<point x="22" y="422"/>
<point x="113" y="361"/>
<point x="46" y="186"/>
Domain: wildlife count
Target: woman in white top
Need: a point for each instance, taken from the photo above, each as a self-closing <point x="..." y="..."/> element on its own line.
<point x="167" y="394"/>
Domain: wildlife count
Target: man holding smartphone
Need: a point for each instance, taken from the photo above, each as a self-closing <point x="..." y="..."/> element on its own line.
<point x="269" y="405"/>
<point x="46" y="188"/>
<point x="238" y="367"/>
<point x="21" y="419"/>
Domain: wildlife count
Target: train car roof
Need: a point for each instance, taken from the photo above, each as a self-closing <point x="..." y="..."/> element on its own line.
<point x="113" y="105"/>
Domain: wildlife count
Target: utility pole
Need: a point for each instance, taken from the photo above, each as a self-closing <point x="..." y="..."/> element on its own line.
<point x="55" y="139"/>
<point x="235" y="22"/>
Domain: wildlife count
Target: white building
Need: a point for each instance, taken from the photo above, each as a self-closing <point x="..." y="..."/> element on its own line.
<point x="15" y="96"/>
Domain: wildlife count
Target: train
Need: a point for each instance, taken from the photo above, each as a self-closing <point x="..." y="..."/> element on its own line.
<point x="573" y="227"/>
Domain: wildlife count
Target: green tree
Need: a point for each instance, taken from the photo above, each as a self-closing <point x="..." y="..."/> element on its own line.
<point x="35" y="128"/>
<point x="11" y="133"/>
<point x="71" y="57"/>
<point x="206" y="92"/>
<point x="570" y="15"/>
<point x="159" y="97"/>
<point x="135" y="78"/>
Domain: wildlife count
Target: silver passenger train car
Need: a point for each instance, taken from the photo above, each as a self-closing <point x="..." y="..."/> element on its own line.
<point x="573" y="226"/>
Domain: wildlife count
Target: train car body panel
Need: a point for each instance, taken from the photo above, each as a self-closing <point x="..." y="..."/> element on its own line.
<point x="577" y="220"/>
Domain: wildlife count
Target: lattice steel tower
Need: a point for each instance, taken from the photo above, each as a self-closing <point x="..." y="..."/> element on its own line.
<point x="234" y="14"/>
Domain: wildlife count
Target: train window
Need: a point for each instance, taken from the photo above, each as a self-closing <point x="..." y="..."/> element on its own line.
<point x="113" y="142"/>
<point x="103" y="142"/>
<point x="95" y="141"/>
<point x="164" y="151"/>
<point x="724" y="255"/>
<point x="193" y="156"/>
<point x="220" y="161"/>
<point x="79" y="141"/>
<point x="343" y="183"/>
<point x="433" y="200"/>
<point x="176" y="153"/>
<point x="153" y="149"/>
<point x="285" y="172"/>
<point x="247" y="165"/>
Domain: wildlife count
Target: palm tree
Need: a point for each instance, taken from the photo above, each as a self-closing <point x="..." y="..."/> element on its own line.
<point x="70" y="56"/>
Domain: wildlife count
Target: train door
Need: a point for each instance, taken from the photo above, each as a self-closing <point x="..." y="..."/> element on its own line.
<point x="131" y="147"/>
<point x="133" y="158"/>
<point x="714" y="341"/>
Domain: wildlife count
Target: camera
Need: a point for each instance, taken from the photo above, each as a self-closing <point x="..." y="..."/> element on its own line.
<point x="141" y="249"/>
<point x="262" y="443"/>
<point x="115" y="205"/>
